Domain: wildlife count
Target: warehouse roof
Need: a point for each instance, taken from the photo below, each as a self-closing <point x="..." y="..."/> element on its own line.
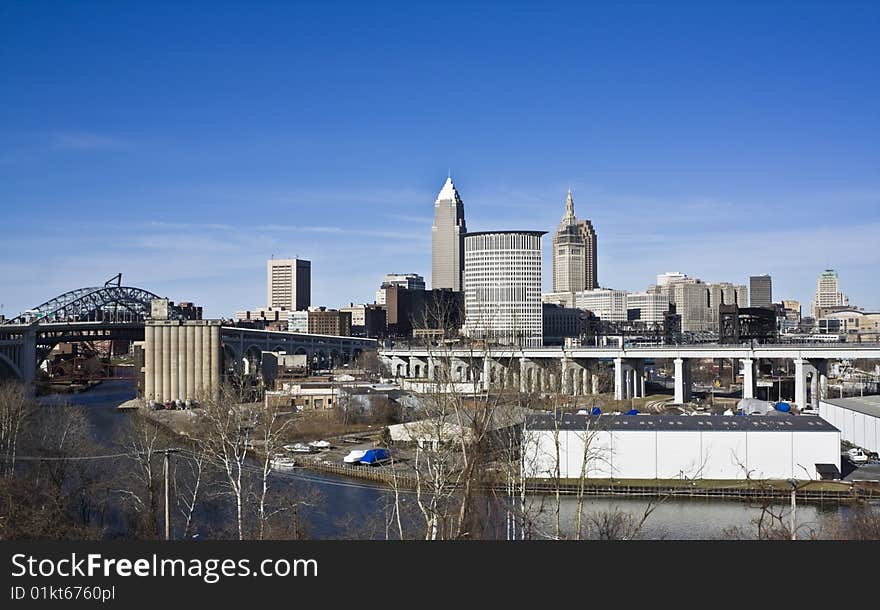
<point x="712" y="423"/>
<point x="869" y="405"/>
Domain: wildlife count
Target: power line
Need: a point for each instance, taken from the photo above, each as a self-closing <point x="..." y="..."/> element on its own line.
<point x="32" y="458"/>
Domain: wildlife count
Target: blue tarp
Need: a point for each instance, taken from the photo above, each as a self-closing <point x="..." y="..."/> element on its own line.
<point x="632" y="412"/>
<point x="595" y="411"/>
<point x="783" y="406"/>
<point x="373" y="456"/>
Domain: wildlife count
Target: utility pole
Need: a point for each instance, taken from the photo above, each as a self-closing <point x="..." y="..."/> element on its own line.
<point x="167" y="453"/>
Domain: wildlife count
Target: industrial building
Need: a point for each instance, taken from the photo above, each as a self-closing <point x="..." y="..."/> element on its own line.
<point x="680" y="446"/>
<point x="858" y="419"/>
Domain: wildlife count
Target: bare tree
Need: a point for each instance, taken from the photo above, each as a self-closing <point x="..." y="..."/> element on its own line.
<point x="273" y="424"/>
<point x="15" y="409"/>
<point x="227" y="441"/>
<point x="142" y="445"/>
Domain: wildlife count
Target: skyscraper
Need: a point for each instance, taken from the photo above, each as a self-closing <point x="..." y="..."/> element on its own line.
<point x="827" y="293"/>
<point x="574" y="253"/>
<point x="289" y="283"/>
<point x="447" y="239"/>
<point x="502" y="287"/>
<point x="761" y="289"/>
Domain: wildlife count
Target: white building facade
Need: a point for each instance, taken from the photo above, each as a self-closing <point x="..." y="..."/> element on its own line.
<point x="604" y="303"/>
<point x="858" y="419"/>
<point x="502" y="287"/>
<point x="676" y="447"/>
<point x="651" y="308"/>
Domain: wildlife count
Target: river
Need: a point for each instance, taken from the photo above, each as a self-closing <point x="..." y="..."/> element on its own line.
<point x="345" y="503"/>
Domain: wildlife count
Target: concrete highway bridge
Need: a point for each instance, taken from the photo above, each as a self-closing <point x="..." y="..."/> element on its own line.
<point x="574" y="370"/>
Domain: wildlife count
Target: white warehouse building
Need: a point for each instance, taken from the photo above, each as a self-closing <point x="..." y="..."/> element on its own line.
<point x="679" y="446"/>
<point x="858" y="419"/>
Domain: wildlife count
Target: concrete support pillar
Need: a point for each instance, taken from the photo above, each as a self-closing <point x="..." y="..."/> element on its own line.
<point x="149" y="363"/>
<point x="563" y="375"/>
<point x="800" y="382"/>
<point x="206" y="363"/>
<point x="821" y="379"/>
<point x="594" y="383"/>
<point x="630" y="374"/>
<point x="216" y="377"/>
<point x="27" y="362"/>
<point x="190" y="389"/>
<point x="523" y="377"/>
<point x="814" y="389"/>
<point x="487" y="373"/>
<point x="619" y="388"/>
<point x="166" y="363"/>
<point x="682" y="380"/>
<point x="175" y="361"/>
<point x="748" y="365"/>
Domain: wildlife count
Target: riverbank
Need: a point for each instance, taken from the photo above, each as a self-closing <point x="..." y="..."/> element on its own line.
<point x="400" y="473"/>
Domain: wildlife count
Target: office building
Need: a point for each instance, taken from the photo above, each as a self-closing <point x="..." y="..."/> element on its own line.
<point x="502" y="272"/>
<point x="647" y="307"/>
<point x="271" y="318"/>
<point x="447" y="239"/>
<point x="690" y="297"/>
<point x="574" y="253"/>
<point x="606" y="304"/>
<point x="289" y="283"/>
<point x="320" y="321"/>
<point x="367" y="320"/>
<point x="561" y="323"/>
<point x="828" y="293"/>
<point x="410" y="281"/>
<point x="761" y="288"/>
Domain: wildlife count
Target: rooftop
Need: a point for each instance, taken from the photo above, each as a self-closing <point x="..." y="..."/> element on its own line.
<point x="683" y="423"/>
<point x="868" y="405"/>
<point x="472" y="233"/>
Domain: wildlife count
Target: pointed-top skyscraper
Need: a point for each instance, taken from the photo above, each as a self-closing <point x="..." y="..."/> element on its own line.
<point x="447" y="239"/>
<point x="574" y="253"/>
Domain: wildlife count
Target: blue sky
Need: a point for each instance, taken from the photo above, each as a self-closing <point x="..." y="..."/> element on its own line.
<point x="185" y="143"/>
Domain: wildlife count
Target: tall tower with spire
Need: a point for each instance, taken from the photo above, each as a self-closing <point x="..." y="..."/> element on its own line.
<point x="447" y="239"/>
<point x="574" y="253"/>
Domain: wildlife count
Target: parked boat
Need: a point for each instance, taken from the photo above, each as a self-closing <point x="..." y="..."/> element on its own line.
<point x="375" y="457"/>
<point x="320" y="445"/>
<point x="283" y="462"/>
<point x="299" y="448"/>
<point x="354" y="456"/>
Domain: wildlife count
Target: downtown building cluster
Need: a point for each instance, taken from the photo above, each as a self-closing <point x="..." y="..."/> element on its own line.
<point x="487" y="286"/>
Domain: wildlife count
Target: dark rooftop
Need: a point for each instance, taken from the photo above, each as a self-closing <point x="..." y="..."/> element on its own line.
<point x="702" y="423"/>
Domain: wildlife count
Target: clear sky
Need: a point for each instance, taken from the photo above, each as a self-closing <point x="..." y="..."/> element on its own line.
<point x="183" y="143"/>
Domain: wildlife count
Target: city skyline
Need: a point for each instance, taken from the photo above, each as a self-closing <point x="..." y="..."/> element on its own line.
<point x="735" y="142"/>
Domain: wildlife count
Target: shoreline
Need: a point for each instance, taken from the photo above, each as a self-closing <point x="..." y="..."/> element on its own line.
<point x="812" y="491"/>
